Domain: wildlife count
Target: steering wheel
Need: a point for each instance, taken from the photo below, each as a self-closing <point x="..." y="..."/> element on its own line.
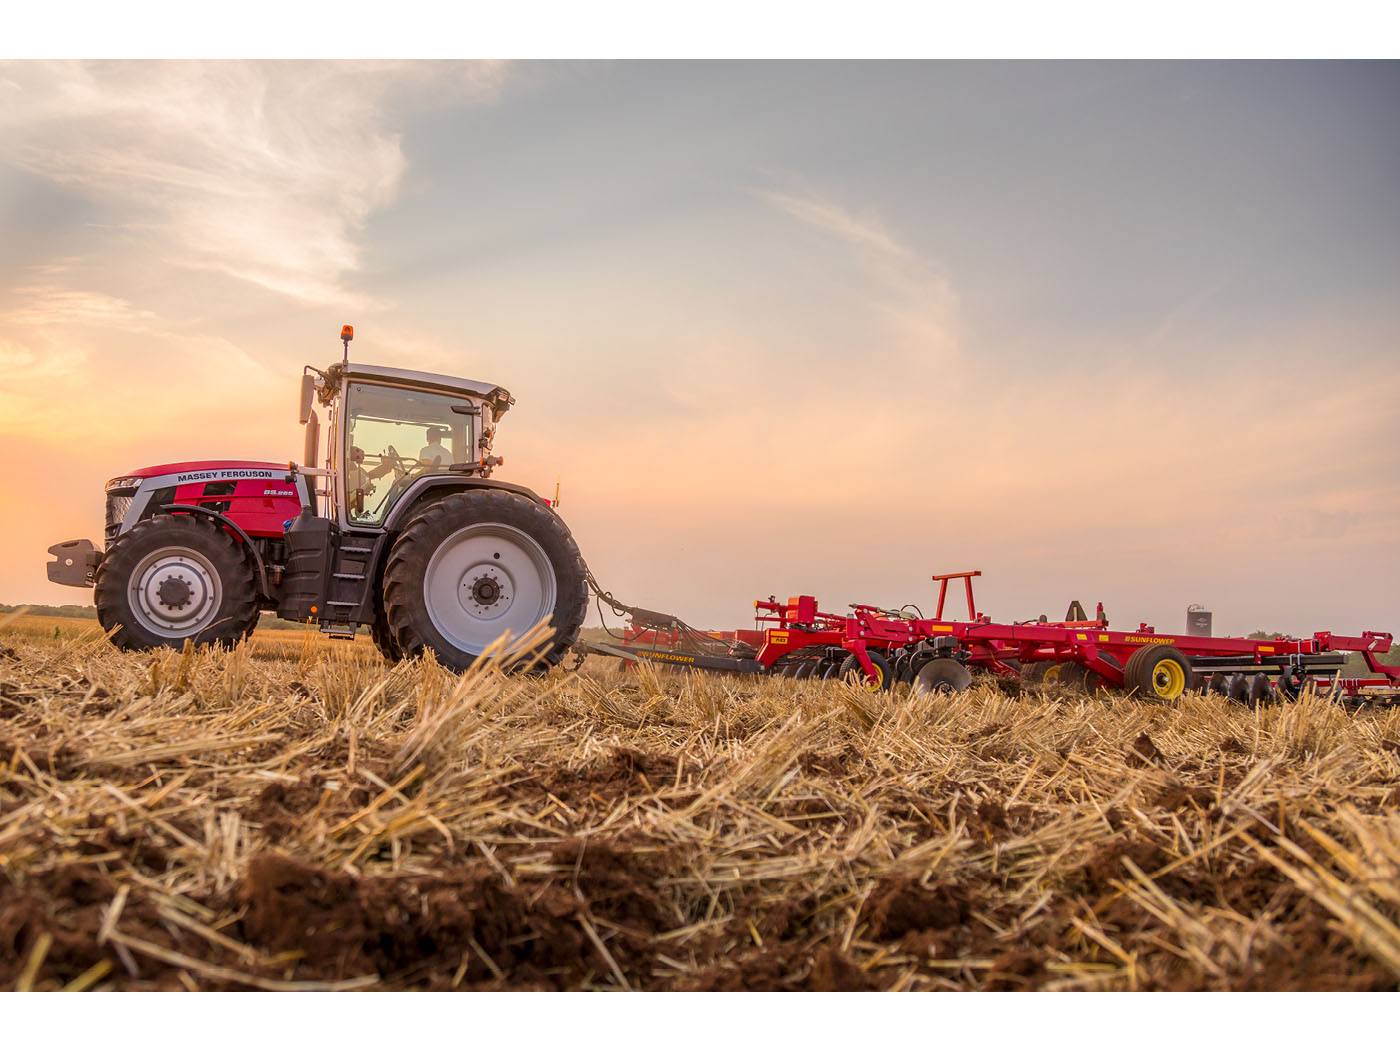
<point x="402" y="465"/>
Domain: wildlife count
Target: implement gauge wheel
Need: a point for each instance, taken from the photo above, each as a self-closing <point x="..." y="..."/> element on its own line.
<point x="1159" y="672"/>
<point x="1067" y="675"/>
<point x="1096" y="683"/>
<point x="943" y="675"/>
<point x="1034" y="674"/>
<point x="851" y="670"/>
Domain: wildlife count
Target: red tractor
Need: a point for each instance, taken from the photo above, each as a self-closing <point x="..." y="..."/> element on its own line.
<point x="423" y="546"/>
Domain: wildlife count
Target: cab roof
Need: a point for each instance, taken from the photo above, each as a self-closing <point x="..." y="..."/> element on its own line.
<point x="499" y="397"/>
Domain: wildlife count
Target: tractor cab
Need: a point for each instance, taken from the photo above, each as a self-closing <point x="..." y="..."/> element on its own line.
<point x="390" y="429"/>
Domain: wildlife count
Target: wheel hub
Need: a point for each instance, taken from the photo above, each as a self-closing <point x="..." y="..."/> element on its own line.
<point x="175" y="592"/>
<point x="486" y="590"/>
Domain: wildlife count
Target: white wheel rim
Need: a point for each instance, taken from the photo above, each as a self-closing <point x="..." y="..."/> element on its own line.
<point x="175" y="593"/>
<point x="485" y="580"/>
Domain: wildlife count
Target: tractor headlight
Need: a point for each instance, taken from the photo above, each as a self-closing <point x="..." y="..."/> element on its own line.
<point x="123" y="483"/>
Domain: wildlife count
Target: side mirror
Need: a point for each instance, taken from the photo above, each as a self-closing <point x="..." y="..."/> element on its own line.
<point x="308" y="395"/>
<point x="313" y="439"/>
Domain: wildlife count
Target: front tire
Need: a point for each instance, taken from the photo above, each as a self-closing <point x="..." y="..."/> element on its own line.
<point x="174" y="578"/>
<point x="476" y="564"/>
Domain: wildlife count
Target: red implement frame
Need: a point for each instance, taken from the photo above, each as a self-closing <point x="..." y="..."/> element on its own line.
<point x="800" y="625"/>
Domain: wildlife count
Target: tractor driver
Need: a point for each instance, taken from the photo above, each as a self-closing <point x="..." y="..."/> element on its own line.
<point x="359" y="481"/>
<point x="435" y="454"/>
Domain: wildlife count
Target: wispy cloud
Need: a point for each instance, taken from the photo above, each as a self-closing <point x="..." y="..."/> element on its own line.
<point x="207" y="184"/>
<point x="911" y="294"/>
<point x="265" y="172"/>
<point x="49" y="305"/>
<point x="863" y="232"/>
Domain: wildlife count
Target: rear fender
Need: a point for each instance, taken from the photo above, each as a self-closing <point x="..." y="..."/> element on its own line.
<point x="441" y="485"/>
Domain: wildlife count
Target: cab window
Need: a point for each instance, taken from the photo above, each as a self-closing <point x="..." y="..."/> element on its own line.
<point x="395" y="436"/>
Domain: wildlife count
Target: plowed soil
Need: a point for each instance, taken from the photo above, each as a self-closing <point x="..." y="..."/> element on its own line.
<point x="299" y="815"/>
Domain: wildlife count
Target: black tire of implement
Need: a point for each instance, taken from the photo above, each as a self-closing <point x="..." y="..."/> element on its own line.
<point x="1034" y="674"/>
<point x="1261" y="691"/>
<point x="1137" y="675"/>
<point x="1096" y="683"/>
<point x="943" y="675"/>
<point x="405" y="610"/>
<point x="1070" y="676"/>
<point x="1130" y="668"/>
<point x="851" y="667"/>
<point x="238" y="608"/>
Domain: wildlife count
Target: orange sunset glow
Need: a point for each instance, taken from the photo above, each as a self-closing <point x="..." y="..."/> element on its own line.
<point x="1118" y="332"/>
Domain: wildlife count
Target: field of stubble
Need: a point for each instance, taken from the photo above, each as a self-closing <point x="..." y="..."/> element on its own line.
<point x="296" y="814"/>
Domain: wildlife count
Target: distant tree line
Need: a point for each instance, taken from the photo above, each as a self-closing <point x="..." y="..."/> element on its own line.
<point x="39" y="610"/>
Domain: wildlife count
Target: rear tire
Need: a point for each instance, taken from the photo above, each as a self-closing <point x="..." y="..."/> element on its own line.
<point x="174" y="578"/>
<point x="383" y="638"/>
<point x="475" y="564"/>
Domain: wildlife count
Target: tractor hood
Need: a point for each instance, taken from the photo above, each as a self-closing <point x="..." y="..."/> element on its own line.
<point x="197" y="466"/>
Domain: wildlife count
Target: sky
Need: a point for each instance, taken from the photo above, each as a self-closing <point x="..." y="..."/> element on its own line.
<point x="1125" y="332"/>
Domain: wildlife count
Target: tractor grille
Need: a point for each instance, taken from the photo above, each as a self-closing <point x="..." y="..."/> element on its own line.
<point x="118" y="504"/>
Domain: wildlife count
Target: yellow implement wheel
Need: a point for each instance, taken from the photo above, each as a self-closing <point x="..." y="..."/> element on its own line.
<point x="1066" y="675"/>
<point x="852" y="671"/>
<point x="1158" y="672"/>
